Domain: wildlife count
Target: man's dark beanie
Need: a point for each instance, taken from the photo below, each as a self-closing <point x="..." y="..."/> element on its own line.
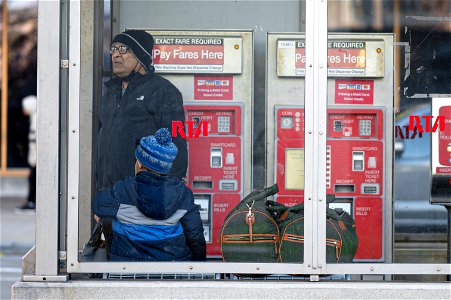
<point x="141" y="44"/>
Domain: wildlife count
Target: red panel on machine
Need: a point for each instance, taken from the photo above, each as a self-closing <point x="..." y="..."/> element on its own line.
<point x="214" y="168"/>
<point x="444" y="138"/>
<point x="361" y="124"/>
<point x="368" y="218"/>
<point x="357" y="167"/>
<point x="222" y="205"/>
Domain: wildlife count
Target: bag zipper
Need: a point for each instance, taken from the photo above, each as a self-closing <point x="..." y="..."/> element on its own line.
<point x="329" y="242"/>
<point x="256" y="238"/>
<point x="292" y="237"/>
<point x="337" y="245"/>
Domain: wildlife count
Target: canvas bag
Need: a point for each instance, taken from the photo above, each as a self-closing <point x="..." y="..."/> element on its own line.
<point x="249" y="232"/>
<point x="341" y="235"/>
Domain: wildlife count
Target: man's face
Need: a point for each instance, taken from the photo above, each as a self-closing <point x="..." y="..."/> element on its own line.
<point x="123" y="64"/>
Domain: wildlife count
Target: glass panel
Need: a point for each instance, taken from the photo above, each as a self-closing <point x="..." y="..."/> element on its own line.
<point x="285" y="135"/>
<point x="366" y="86"/>
<point x="21" y="58"/>
<point x="221" y="77"/>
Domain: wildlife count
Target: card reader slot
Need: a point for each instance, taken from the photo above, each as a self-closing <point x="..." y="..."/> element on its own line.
<point x="344" y="188"/>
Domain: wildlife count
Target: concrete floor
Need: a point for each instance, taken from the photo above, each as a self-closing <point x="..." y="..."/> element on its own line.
<point x="17" y="232"/>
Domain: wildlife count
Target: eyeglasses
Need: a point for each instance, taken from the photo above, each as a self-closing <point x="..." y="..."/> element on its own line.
<point x="121" y="49"/>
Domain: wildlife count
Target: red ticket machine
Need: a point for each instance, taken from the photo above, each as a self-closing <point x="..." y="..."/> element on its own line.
<point x="354" y="171"/>
<point x="441" y="153"/>
<point x="355" y="174"/>
<point x="358" y="156"/>
<point x="215" y="166"/>
<point x="214" y="72"/>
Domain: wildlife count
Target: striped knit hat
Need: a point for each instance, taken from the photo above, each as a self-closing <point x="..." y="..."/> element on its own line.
<point x="157" y="152"/>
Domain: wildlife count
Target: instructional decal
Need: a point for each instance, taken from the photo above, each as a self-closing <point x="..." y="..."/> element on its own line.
<point x="213" y="87"/>
<point x="354" y="91"/>
<point x="197" y="54"/>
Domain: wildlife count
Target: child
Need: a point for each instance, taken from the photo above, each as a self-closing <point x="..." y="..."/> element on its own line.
<point x="154" y="215"/>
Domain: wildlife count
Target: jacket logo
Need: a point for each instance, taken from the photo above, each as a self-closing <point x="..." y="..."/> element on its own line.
<point x="140" y="98"/>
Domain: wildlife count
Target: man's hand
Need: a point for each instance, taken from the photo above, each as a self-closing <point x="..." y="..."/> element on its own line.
<point x="96" y="218"/>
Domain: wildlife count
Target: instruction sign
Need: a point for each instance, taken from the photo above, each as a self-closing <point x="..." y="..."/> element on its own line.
<point x="197" y="54"/>
<point x="354" y="91"/>
<point x="213" y="87"/>
<point x="344" y="58"/>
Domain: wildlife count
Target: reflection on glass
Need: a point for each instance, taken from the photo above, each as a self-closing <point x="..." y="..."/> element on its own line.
<point x="422" y="47"/>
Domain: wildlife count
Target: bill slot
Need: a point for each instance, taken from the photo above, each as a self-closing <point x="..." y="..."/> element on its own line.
<point x="345" y="204"/>
<point x="204" y="202"/>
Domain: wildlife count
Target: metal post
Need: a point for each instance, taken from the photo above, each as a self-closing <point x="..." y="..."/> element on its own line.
<point x="47" y="190"/>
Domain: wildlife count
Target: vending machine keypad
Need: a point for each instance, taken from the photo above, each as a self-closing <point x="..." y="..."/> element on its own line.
<point x="223" y="124"/>
<point x="365" y="127"/>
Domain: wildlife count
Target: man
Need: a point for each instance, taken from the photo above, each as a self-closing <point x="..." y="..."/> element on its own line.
<point x="137" y="102"/>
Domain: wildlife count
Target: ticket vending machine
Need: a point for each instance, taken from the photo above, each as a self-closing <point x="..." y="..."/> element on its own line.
<point x="441" y="152"/>
<point x="214" y="72"/>
<point x="359" y="130"/>
<point x="441" y="159"/>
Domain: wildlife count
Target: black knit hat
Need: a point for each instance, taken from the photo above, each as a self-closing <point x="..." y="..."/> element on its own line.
<point x="141" y="44"/>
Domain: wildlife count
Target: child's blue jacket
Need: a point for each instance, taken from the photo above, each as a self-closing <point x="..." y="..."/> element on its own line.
<point x="155" y="219"/>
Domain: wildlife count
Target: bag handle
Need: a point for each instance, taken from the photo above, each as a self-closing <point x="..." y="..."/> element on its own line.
<point x="332" y="214"/>
<point x="259" y="195"/>
<point x="276" y="209"/>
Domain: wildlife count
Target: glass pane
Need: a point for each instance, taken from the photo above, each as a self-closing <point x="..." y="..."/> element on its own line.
<point x="21" y="60"/>
<point x="227" y="115"/>
<point x="389" y="58"/>
<point x="285" y="138"/>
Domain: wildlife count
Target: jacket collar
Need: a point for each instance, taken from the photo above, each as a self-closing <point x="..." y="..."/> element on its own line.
<point x="138" y="78"/>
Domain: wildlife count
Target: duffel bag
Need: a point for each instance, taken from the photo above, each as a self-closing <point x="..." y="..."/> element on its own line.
<point x="249" y="232"/>
<point x="341" y="236"/>
<point x="344" y="229"/>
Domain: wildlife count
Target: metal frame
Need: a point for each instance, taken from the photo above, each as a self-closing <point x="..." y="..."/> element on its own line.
<point x="315" y="129"/>
<point x="48" y="112"/>
<point x="315" y="107"/>
<point x="73" y="133"/>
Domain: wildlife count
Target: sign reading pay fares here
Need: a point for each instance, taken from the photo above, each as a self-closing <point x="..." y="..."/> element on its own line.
<point x="200" y="54"/>
<point x="344" y="58"/>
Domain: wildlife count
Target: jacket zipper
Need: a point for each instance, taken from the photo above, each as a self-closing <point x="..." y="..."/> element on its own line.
<point x="113" y="123"/>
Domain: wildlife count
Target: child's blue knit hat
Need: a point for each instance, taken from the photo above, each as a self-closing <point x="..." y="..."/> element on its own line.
<point x="157" y="152"/>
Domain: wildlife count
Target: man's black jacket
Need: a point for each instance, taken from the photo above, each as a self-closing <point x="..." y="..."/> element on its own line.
<point x="149" y="103"/>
